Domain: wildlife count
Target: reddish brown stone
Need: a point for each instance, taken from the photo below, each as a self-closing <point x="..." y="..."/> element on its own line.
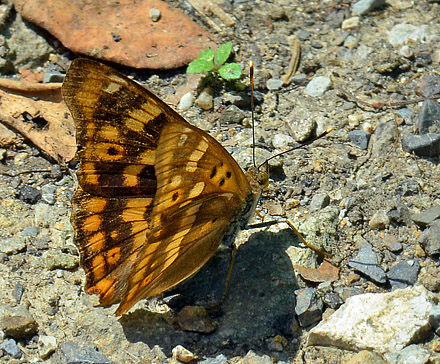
<point x="120" y="31"/>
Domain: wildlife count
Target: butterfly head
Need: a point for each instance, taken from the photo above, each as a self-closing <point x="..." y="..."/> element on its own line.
<point x="258" y="178"/>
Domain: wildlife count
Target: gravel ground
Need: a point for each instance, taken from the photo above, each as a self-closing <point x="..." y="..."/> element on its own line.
<point x="366" y="182"/>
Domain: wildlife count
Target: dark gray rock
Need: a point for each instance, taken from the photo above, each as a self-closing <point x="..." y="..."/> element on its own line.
<point x="408" y="188"/>
<point x="404" y="274"/>
<point x="308" y="306"/>
<point x="231" y="115"/>
<point x="72" y="353"/>
<point x="428" y="118"/>
<point x="426" y="145"/>
<point x="430" y="239"/>
<point x="406" y="114"/>
<point x="333" y="300"/>
<point x="428" y="86"/>
<point x="30" y="194"/>
<point x="427" y="217"/>
<point x="359" y="138"/>
<point x="366" y="262"/>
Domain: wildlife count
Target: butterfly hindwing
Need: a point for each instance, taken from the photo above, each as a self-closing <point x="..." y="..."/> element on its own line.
<point x="156" y="194"/>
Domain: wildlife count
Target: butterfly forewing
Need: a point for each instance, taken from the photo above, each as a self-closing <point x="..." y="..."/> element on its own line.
<point x="155" y="194"/>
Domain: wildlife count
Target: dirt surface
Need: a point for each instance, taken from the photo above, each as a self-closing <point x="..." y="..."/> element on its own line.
<point x="373" y="192"/>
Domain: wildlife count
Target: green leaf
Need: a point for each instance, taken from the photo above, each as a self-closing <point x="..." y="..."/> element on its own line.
<point x="199" y="66"/>
<point x="206" y="55"/>
<point x="223" y="53"/>
<point x="230" y="71"/>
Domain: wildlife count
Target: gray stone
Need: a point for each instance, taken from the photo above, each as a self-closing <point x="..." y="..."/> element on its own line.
<point x="219" y="359"/>
<point x="427" y="217"/>
<point x="384" y="137"/>
<point x="333" y="300"/>
<point x="273" y="84"/>
<point x="412" y="354"/>
<point x="404" y="274"/>
<point x="231" y="115"/>
<point x="364" y="6"/>
<point x="428" y="118"/>
<point x="12" y="245"/>
<point x="428" y="86"/>
<point x="430" y="239"/>
<point x="426" y="145"/>
<point x="53" y="76"/>
<point x="366" y="262"/>
<point x="308" y="306"/>
<point x="9" y="346"/>
<point x="359" y="138"/>
<point x="399" y="213"/>
<point x="48" y="193"/>
<point x="72" y="353"/>
<point x="318" y="86"/>
<point x="301" y="130"/>
<point x="30" y="194"/>
<point x="319" y="201"/>
<point x="406" y="114"/>
<point x="395" y="247"/>
<point x="408" y="188"/>
<point x="30" y="231"/>
<point x="402" y="33"/>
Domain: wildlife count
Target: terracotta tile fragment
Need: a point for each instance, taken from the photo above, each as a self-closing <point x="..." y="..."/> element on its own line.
<point x="120" y="31"/>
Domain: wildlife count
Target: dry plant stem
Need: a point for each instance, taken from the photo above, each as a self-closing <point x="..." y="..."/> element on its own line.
<point x="314" y="248"/>
<point x="294" y="61"/>
<point x="206" y="8"/>
<point x="25" y="86"/>
<point x="380" y="105"/>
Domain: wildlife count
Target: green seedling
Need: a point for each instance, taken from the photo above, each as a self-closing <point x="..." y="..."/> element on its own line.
<point x="210" y="61"/>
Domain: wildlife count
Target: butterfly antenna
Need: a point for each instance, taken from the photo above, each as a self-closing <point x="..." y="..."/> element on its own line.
<point x="310" y="141"/>
<point x="251" y="76"/>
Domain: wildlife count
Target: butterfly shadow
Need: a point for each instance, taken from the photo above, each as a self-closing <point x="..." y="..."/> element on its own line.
<point x="259" y="304"/>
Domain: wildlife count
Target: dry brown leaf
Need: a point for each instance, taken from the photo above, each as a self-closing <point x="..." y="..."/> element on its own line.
<point x="325" y="272"/>
<point x="38" y="113"/>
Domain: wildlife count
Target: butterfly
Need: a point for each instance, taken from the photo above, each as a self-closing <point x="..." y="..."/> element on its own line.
<point x="156" y="196"/>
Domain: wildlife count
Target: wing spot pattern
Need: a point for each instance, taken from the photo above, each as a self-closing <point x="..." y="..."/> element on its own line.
<point x="196" y="190"/>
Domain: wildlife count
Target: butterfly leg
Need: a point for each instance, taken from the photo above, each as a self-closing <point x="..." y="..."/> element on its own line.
<point x="295" y="230"/>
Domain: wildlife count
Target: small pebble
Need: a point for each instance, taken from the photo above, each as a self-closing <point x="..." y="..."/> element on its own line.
<point x="364" y="6"/>
<point x="379" y="221"/>
<point x="273" y="84"/>
<point x="186" y="101"/>
<point x="359" y="138"/>
<point x="205" y="99"/>
<point x="318" y="86"/>
<point x="183" y="355"/>
<point x="9" y="346"/>
<point x="155" y="14"/>
<point x="350" y="23"/>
